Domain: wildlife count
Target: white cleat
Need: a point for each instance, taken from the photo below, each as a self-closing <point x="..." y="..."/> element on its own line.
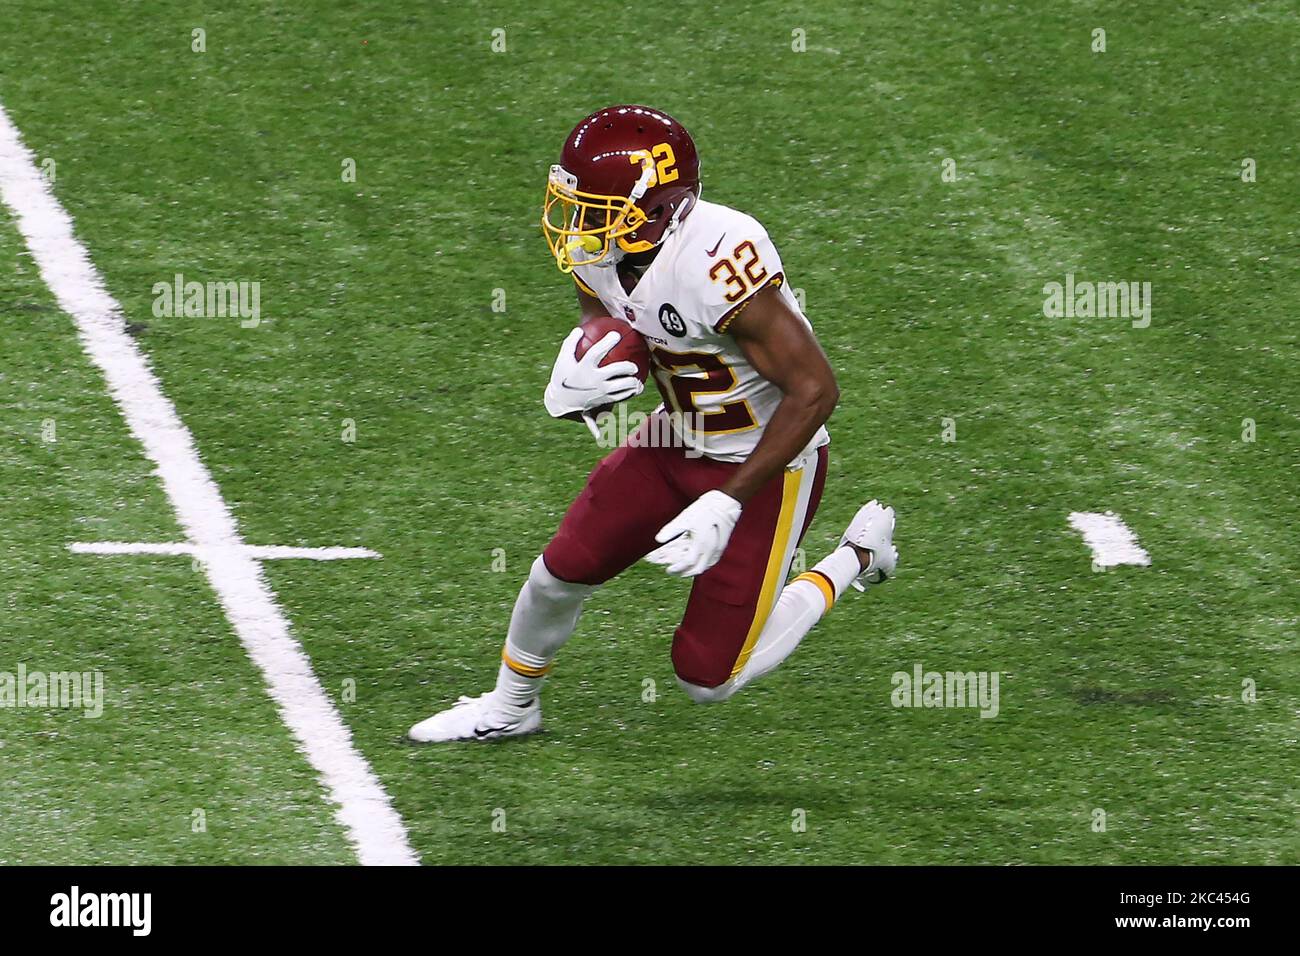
<point x="479" y="718"/>
<point x="872" y="528"/>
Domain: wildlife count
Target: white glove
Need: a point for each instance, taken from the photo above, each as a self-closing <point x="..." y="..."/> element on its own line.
<point x="696" y="538"/>
<point x="580" y="385"/>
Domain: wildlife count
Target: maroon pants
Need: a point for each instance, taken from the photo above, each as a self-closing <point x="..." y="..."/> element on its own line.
<point x="635" y="491"/>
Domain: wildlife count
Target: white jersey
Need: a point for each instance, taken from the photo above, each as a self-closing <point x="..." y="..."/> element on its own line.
<point x="705" y="273"/>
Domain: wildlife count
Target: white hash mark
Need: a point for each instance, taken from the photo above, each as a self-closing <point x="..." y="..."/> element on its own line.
<point x="1109" y="538"/>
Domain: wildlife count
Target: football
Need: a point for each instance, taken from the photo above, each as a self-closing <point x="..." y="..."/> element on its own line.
<point x="631" y="347"/>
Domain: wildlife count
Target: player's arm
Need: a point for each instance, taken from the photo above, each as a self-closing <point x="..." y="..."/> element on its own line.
<point x="783" y="349"/>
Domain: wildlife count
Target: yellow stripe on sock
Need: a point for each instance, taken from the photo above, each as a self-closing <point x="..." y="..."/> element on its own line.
<point x="775" y="565"/>
<point x="823" y="585"/>
<point x="523" y="670"/>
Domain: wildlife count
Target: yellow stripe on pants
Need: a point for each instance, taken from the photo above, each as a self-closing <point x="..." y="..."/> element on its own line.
<point x="776" y="558"/>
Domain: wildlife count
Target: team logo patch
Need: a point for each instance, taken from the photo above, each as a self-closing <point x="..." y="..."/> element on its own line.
<point x="631" y="316"/>
<point x="671" y="320"/>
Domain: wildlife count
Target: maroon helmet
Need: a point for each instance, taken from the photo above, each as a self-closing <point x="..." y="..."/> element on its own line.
<point x="626" y="178"/>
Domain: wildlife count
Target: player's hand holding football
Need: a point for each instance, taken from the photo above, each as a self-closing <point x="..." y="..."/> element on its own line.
<point x="696" y="538"/>
<point x="579" y="385"/>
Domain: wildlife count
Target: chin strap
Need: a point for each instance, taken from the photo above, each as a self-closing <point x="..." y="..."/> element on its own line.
<point x="678" y="215"/>
<point x="642" y="184"/>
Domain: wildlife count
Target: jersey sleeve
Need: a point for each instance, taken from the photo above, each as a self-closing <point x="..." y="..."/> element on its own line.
<point x="745" y="264"/>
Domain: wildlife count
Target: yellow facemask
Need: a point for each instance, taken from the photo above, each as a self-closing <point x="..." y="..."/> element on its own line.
<point x="580" y="226"/>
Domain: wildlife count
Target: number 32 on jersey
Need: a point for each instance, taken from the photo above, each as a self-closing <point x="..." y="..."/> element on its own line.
<point x="714" y="378"/>
<point x="741" y="273"/>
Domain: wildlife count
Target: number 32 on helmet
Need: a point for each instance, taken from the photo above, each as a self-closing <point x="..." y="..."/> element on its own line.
<point x="627" y="177"/>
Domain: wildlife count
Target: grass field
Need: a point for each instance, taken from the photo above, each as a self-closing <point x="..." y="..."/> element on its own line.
<point x="1121" y="691"/>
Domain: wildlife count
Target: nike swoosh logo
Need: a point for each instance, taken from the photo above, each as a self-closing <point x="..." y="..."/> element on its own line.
<point x="481" y="732"/>
<point x="714" y="251"/>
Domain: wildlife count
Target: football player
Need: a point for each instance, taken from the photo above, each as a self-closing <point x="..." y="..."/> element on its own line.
<point x="729" y="500"/>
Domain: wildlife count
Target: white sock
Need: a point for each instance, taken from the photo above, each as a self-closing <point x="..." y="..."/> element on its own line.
<point x="801" y="605"/>
<point x="803" y="602"/>
<point x="841" y="566"/>
<point x="545" y="614"/>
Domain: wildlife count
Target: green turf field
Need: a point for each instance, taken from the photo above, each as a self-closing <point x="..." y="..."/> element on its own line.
<point x="1121" y="691"/>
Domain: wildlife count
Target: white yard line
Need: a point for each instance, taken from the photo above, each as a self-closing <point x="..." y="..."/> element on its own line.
<point x="364" y="809"/>
<point x="257" y="552"/>
<point x="1109" y="538"/>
